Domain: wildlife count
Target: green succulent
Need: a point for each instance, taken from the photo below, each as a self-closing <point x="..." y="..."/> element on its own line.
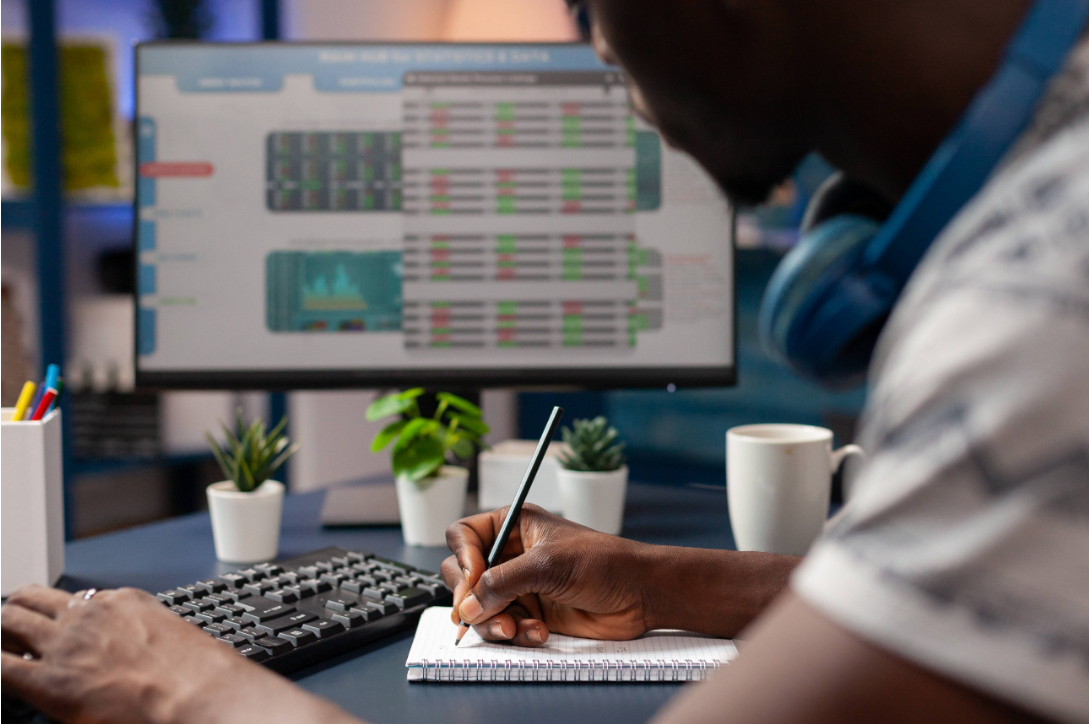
<point x="594" y="447"/>
<point x="252" y="455"/>
<point x="421" y="444"/>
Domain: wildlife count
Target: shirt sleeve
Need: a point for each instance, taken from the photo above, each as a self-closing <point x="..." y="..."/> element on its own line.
<point x="965" y="543"/>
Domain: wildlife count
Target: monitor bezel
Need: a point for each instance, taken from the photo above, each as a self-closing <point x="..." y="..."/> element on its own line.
<point x="592" y="378"/>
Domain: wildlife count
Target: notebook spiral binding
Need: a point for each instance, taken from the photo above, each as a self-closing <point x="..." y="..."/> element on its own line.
<point x="496" y="671"/>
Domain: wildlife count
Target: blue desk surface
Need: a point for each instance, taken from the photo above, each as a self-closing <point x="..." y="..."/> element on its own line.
<point x="370" y="682"/>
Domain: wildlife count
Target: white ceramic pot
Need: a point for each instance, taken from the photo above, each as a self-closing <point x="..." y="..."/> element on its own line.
<point x="246" y="526"/>
<point x="595" y="500"/>
<point x="429" y="506"/>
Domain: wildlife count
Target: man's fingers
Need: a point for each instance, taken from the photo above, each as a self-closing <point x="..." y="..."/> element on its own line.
<point x="501" y="585"/>
<point x="23" y="630"/>
<point x="455" y="579"/>
<point x="515" y="625"/>
<point x="469" y="539"/>
<point x="46" y="601"/>
<point x="17" y="673"/>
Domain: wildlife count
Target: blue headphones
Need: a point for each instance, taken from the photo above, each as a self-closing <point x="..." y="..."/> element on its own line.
<point x="829" y="298"/>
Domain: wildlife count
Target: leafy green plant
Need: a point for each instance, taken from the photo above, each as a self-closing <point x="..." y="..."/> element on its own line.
<point x="421" y="445"/>
<point x="594" y="447"/>
<point x="251" y="455"/>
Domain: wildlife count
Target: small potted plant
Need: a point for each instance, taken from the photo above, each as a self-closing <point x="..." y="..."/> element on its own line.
<point x="593" y="478"/>
<point x="246" y="508"/>
<point x="430" y="493"/>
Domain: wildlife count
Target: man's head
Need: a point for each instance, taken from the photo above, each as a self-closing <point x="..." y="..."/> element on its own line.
<point x="749" y="87"/>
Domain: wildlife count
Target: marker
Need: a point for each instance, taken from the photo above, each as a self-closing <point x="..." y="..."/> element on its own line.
<point x="34" y="402"/>
<point x="520" y="497"/>
<point x="60" y="391"/>
<point x="24" y="401"/>
<point x="46" y="401"/>
<point x="52" y="374"/>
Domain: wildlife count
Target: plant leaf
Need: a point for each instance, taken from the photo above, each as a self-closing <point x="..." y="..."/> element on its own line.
<point x="390" y="405"/>
<point x="388" y="433"/>
<point x="411" y="431"/>
<point x="471" y="423"/>
<point x="462" y="448"/>
<point x="411" y="394"/>
<point x="422" y="458"/>
<point x="217" y="452"/>
<point x="459" y="403"/>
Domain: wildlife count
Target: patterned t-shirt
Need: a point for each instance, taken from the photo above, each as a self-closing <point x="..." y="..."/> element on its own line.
<point x="965" y="543"/>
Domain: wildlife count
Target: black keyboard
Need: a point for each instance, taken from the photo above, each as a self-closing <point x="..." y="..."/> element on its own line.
<point x="293" y="613"/>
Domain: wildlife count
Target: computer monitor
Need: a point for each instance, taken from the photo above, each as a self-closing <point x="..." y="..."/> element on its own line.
<point x="375" y="215"/>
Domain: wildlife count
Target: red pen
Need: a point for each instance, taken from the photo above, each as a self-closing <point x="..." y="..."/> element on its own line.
<point x="46" y="401"/>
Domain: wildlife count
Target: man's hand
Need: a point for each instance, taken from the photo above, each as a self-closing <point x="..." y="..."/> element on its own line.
<point x="555" y="575"/>
<point x="122" y="658"/>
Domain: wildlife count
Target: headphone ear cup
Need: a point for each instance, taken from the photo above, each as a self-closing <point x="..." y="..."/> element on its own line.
<point x="823" y="255"/>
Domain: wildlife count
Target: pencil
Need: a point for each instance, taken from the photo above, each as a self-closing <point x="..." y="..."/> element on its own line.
<point x="520" y="496"/>
<point x="24" y="400"/>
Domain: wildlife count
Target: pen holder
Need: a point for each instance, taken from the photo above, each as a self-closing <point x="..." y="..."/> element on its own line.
<point x="31" y="477"/>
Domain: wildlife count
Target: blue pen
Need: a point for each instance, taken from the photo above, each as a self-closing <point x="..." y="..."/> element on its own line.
<point x="52" y="372"/>
<point x="34" y="403"/>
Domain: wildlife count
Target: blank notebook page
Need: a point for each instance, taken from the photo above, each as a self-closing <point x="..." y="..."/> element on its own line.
<point x="656" y="656"/>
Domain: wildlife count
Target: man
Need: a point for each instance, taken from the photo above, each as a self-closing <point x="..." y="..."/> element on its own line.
<point x="955" y="587"/>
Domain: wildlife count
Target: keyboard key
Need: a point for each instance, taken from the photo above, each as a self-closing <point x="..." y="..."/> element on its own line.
<point x="238" y="595"/>
<point x="390" y="587"/>
<point x="369" y="613"/>
<point x="324" y="629"/>
<point x="339" y="604"/>
<point x="379" y="605"/>
<point x="233" y="580"/>
<point x="237" y="623"/>
<point x="233" y="640"/>
<point x="174" y="597"/>
<point x="196" y="621"/>
<point x="324" y="566"/>
<point x="270" y="569"/>
<point x="308" y="572"/>
<point x="254" y="653"/>
<point x="317" y="586"/>
<point x="259" y="588"/>
<point x="268" y="612"/>
<point x="192" y="590"/>
<point x="283" y="623"/>
<point x="273" y="645"/>
<point x="362" y="568"/>
<point x="288" y="577"/>
<point x="374" y="592"/>
<point x="367" y="580"/>
<point x="381" y="575"/>
<point x="250" y="634"/>
<point x="298" y="636"/>
<point x="352" y="586"/>
<point x="422" y="572"/>
<point x="333" y="579"/>
<point x="229" y="609"/>
<point x="435" y="589"/>
<point x="212" y="585"/>
<point x="210" y="617"/>
<point x="406" y="580"/>
<point x="218" y="629"/>
<point x="198" y="606"/>
<point x="181" y="610"/>
<point x="350" y="619"/>
<point x="252" y="574"/>
<point x="283" y="595"/>
<point x="359" y="556"/>
<point x="300" y="592"/>
<point x="218" y="598"/>
<point x="393" y="565"/>
<point x="340" y="561"/>
<point x="409" y="597"/>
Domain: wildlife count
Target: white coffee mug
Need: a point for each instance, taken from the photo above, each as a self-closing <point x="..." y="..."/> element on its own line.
<point x="778" y="484"/>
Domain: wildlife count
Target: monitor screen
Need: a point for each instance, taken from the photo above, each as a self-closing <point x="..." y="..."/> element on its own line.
<point x="314" y="215"/>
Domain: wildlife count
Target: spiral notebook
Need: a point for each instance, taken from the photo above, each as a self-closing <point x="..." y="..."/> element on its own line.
<point x="655" y="656"/>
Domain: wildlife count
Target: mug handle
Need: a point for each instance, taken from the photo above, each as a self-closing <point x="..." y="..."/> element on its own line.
<point x="838" y="456"/>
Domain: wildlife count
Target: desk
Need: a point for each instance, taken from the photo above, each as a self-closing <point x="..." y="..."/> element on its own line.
<point x="370" y="682"/>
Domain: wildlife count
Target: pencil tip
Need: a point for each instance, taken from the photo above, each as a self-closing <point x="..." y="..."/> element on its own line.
<point x="457" y="642"/>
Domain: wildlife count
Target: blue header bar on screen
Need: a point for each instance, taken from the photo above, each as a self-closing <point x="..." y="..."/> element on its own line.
<point x="214" y="68"/>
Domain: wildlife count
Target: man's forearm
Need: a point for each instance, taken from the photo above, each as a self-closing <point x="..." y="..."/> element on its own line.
<point x="711" y="591"/>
